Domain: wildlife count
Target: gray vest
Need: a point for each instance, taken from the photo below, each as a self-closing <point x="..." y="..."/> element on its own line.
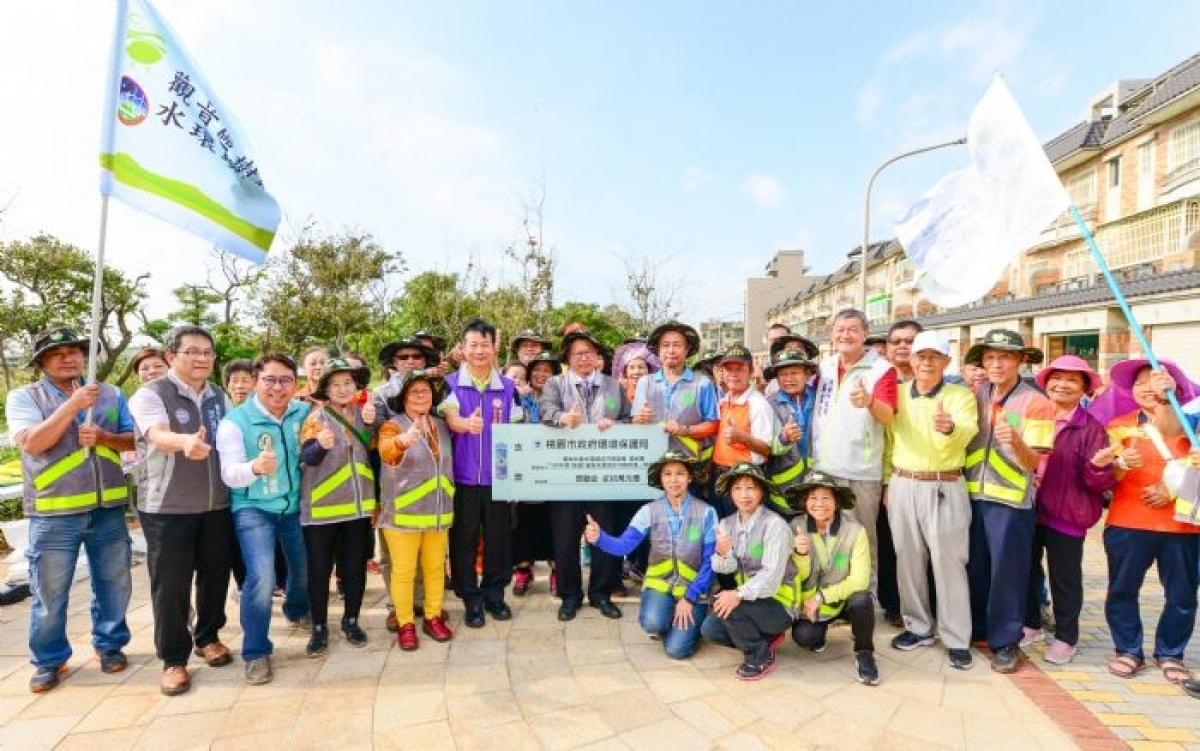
<point x="418" y="493"/>
<point x="675" y="561"/>
<point x="607" y="398"/>
<point x="684" y="408"/>
<point x="750" y="559"/>
<point x="169" y="482"/>
<point x="787" y="469"/>
<point x="67" y="478"/>
<point x="342" y="487"/>
<point x="835" y="567"/>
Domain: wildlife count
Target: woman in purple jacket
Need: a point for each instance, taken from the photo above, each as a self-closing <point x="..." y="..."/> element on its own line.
<point x="1071" y="482"/>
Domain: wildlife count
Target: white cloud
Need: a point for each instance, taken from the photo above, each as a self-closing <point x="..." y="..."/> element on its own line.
<point x="695" y="178"/>
<point x="869" y="101"/>
<point x="766" y="191"/>
<point x="989" y="44"/>
<point x="915" y="45"/>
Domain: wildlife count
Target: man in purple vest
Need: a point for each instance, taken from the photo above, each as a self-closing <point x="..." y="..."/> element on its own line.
<point x="478" y="397"/>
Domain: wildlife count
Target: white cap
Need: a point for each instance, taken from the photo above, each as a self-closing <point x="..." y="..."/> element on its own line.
<point x="931" y="340"/>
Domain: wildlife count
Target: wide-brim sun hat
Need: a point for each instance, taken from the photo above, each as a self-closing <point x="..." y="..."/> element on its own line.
<point x="811" y="351"/>
<point x="437" y="342"/>
<point x="789" y="359"/>
<point x="528" y="335"/>
<point x="689" y="335"/>
<point x="361" y="376"/>
<point x="1125" y="373"/>
<point x="746" y="469"/>
<point x="57" y="337"/>
<point x="654" y="473"/>
<point x="585" y="335"/>
<point x="396" y="403"/>
<point x="798" y="494"/>
<point x="432" y="357"/>
<point x="547" y="357"/>
<point x="1003" y="340"/>
<point x="1071" y="364"/>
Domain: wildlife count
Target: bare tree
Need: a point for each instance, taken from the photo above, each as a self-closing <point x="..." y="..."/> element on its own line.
<point x="654" y="296"/>
<point x="537" y="260"/>
<point x="232" y="278"/>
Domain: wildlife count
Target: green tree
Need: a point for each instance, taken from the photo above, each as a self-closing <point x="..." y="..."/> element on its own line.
<point x="194" y="305"/>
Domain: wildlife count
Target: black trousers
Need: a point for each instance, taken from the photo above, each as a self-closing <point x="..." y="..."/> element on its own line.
<point x="347" y="542"/>
<point x="751" y="627"/>
<point x="1064" y="559"/>
<point x="475" y="514"/>
<point x="859" y="610"/>
<point x="180" y="549"/>
<point x="567" y="520"/>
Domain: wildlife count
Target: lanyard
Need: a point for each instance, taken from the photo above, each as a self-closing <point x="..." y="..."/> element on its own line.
<point x="362" y="436"/>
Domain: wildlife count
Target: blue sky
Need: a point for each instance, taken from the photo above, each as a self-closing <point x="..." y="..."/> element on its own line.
<point x="704" y="135"/>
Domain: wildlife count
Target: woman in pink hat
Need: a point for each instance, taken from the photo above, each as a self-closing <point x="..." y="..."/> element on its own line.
<point x="1071" y="481"/>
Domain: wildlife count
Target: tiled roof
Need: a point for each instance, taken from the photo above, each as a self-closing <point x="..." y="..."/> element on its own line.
<point x="1173" y="84"/>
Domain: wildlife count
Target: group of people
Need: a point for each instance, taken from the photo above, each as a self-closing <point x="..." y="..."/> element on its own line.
<point x="792" y="497"/>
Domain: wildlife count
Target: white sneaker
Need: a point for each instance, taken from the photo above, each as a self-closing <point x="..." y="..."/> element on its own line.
<point x="1031" y="635"/>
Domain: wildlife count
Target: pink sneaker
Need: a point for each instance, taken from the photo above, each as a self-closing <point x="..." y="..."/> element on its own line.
<point x="1059" y="652"/>
<point x="1031" y="635"/>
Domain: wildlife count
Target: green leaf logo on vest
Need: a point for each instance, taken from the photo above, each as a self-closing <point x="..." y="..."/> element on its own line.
<point x="111" y="414"/>
<point x="693" y="533"/>
<point x="610" y="403"/>
<point x="755" y="550"/>
<point x="143" y="46"/>
<point x="841" y="560"/>
<point x="687" y="398"/>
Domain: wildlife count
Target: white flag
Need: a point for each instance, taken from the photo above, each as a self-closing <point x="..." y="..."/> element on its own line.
<point x="171" y="149"/>
<point x="970" y="225"/>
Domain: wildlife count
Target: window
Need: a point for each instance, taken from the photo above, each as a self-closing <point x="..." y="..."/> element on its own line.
<point x="1114" y="173"/>
<point x="1183" y="151"/>
<point x="1082" y="188"/>
<point x="879" y="307"/>
<point x="1146" y="177"/>
<point x="1113" y="193"/>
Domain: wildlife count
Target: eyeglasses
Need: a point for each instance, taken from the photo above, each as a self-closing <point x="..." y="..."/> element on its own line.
<point x="409" y="357"/>
<point x="206" y="354"/>
<point x="280" y="381"/>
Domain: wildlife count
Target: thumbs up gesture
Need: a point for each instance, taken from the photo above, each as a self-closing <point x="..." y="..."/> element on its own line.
<point x="858" y="394"/>
<point x="1104" y="456"/>
<point x="475" y="422"/>
<point x="791" y="431"/>
<point x="1005" y="433"/>
<point x="800" y="543"/>
<point x="194" y="446"/>
<point x="728" y="431"/>
<point x="368" y="412"/>
<point x="267" y="462"/>
<point x="410" y="436"/>
<point x="644" y="415"/>
<point x="942" y="422"/>
<point x="591" y="532"/>
<point x="573" y="418"/>
<point x="724" y="541"/>
<point x="325" y="437"/>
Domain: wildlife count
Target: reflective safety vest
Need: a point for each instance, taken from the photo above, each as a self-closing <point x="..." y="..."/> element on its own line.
<point x="418" y="493"/>
<point x="682" y="406"/>
<point x="992" y="471"/>
<point x="68" y="478"/>
<point x="675" y="560"/>
<point x="750" y="560"/>
<point x="828" y="564"/>
<point x="342" y="487"/>
<point x="788" y="467"/>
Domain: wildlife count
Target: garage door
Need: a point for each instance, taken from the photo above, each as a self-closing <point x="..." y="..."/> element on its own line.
<point x="1179" y="342"/>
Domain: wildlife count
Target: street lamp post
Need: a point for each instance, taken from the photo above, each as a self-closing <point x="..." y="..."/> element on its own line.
<point x="863" y="257"/>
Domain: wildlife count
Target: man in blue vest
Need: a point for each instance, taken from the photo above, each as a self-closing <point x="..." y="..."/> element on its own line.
<point x="75" y="494"/>
<point x="259" y="444"/>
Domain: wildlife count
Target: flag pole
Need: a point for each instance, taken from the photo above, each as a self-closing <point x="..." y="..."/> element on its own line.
<point x="97" y="300"/>
<point x="1133" y="322"/>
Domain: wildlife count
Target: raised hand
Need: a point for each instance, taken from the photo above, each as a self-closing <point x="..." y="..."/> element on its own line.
<point x="1005" y="433"/>
<point x="368" y="412"/>
<point x="1131" y="457"/>
<point x="84" y="397"/>
<point x="791" y="431"/>
<point x="194" y="446"/>
<point x="267" y="462"/>
<point x="800" y="543"/>
<point x="859" y="396"/>
<point x="325" y="438"/>
<point x="475" y="422"/>
<point x="591" y="531"/>
<point x="1105" y="456"/>
<point x="724" y="541"/>
<point x="942" y="422"/>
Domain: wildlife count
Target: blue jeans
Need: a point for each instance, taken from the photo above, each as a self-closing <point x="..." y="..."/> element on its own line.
<point x="257" y="533"/>
<point x="1130" y="555"/>
<point x="53" y="552"/>
<point x="998" y="571"/>
<point x="657" y="617"/>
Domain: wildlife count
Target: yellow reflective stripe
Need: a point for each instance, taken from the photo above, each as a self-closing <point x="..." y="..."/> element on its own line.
<point x="59" y="468"/>
<point x="995" y="490"/>
<point x="972" y="486"/>
<point x="691" y="444"/>
<point x="329" y="484"/>
<point x="1008" y="473"/>
<point x="790" y="473"/>
<point x="67" y="502"/>
<point x="686" y="571"/>
<point x="364" y="470"/>
<point x="342" y="509"/>
<point x="104" y="452"/>
<point x="423" y="520"/>
<point x="658" y="585"/>
<point x="661" y="567"/>
<point x="706" y="454"/>
<point x="409" y="498"/>
<point x="973" y="458"/>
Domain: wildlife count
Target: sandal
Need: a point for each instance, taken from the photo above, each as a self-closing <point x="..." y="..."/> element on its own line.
<point x="1125" y="666"/>
<point x="1173" y="670"/>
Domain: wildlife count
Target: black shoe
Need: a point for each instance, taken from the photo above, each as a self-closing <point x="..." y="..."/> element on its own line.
<point x="568" y="610"/>
<point x="474" y="617"/>
<point x="44" y="679"/>
<point x="817" y="648"/>
<point x="908" y="641"/>
<point x="1191" y="687"/>
<point x="499" y="610"/>
<point x="749" y="671"/>
<point x="355" y="636"/>
<point x="1006" y="659"/>
<point x="318" y="642"/>
<point x="894" y="619"/>
<point x="606" y="608"/>
<point x="113" y="661"/>
<point x="960" y="659"/>
<point x="868" y="671"/>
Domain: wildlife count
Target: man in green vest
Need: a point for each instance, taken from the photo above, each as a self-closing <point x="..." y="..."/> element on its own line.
<point x="70" y="433"/>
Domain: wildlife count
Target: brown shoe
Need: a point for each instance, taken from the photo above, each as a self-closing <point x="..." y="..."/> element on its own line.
<point x="215" y="654"/>
<point x="175" y="680"/>
<point x="392" y="624"/>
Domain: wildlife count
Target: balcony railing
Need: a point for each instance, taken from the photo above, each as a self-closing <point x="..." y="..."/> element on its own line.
<point x="1141" y="239"/>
